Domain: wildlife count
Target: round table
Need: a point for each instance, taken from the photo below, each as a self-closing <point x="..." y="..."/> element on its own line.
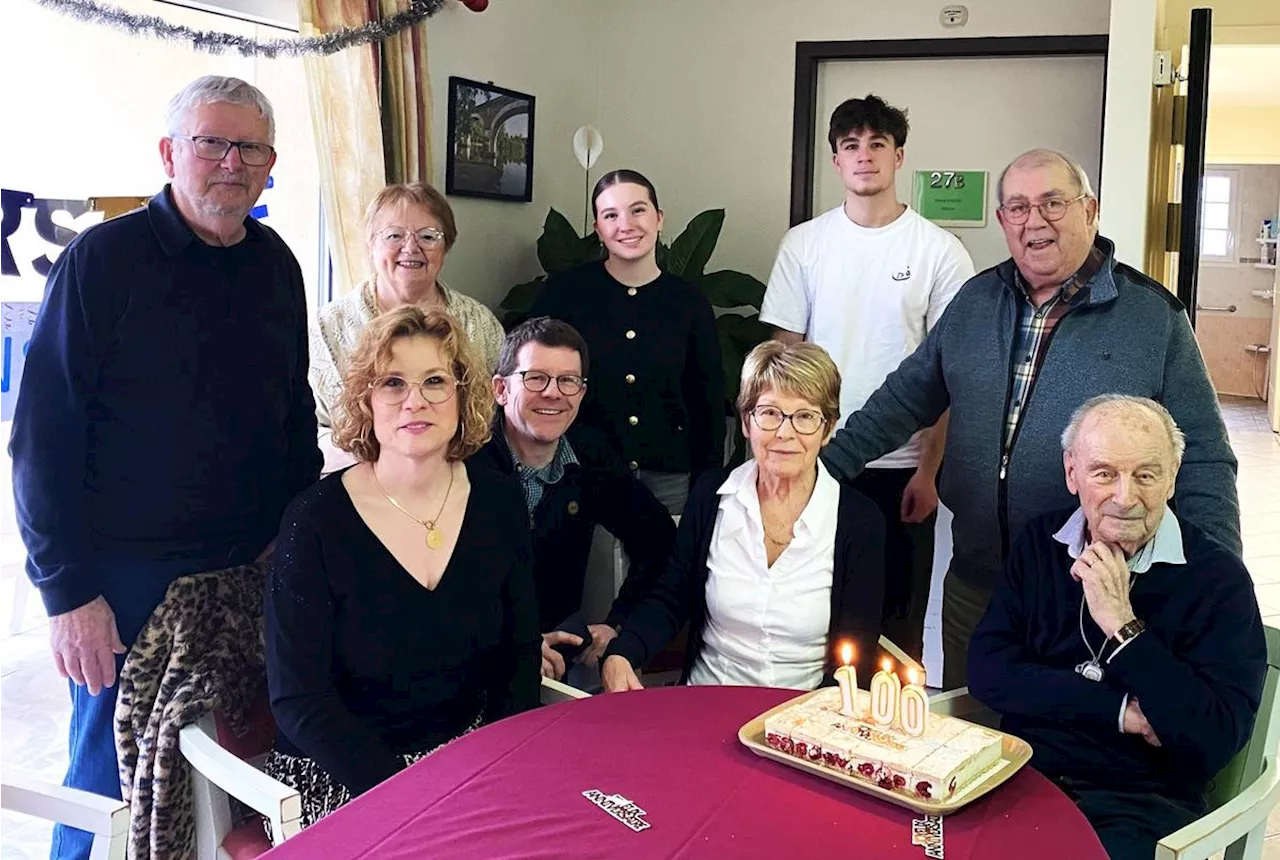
<point x="516" y="789"/>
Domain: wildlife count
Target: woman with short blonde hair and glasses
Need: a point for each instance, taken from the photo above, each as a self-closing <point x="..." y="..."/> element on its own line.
<point x="400" y="608"/>
<point x="409" y="231"/>
<point x="775" y="562"/>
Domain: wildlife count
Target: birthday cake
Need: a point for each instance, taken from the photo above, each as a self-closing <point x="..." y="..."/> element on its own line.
<point x="934" y="766"/>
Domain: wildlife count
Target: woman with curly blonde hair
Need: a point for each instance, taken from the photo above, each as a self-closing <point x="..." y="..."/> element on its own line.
<point x="400" y="610"/>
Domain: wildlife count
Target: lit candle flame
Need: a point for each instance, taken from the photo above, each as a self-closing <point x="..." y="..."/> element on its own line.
<point x="887" y="665"/>
<point x="846" y="653"/>
<point x="911" y="676"/>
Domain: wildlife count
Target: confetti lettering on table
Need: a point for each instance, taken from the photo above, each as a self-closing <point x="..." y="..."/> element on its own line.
<point x="927" y="832"/>
<point x="619" y="807"/>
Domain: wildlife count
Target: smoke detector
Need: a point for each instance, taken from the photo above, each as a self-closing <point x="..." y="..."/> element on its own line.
<point x="954" y="16"/>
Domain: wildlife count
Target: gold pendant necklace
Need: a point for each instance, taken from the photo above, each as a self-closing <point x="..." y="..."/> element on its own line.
<point x="774" y="540"/>
<point x="434" y="538"/>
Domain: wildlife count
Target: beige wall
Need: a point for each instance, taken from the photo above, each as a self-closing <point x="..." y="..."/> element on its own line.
<point x="700" y="99"/>
<point x="1226" y="13"/>
<point x="547" y="49"/>
<point x="1222" y="338"/>
<point x="1238" y="134"/>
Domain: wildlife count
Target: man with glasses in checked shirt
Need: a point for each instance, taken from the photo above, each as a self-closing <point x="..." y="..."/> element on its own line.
<point x="572" y="481"/>
<point x="1023" y="345"/>
<point x="165" y="420"/>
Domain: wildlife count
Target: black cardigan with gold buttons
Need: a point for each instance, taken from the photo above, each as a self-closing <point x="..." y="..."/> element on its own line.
<point x="655" y="382"/>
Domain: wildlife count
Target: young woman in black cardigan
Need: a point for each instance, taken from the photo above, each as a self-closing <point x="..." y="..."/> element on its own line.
<point x="776" y="563"/>
<point x="657" y="380"/>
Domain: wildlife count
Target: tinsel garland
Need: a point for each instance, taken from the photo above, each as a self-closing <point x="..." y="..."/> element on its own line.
<point x="215" y="42"/>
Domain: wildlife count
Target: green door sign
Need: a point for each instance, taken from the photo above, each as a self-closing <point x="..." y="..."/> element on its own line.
<point x="952" y="198"/>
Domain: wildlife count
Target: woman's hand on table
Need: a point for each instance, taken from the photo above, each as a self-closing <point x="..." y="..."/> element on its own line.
<point x="617" y="676"/>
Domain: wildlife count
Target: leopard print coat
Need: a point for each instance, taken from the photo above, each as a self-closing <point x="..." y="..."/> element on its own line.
<point x="200" y="652"/>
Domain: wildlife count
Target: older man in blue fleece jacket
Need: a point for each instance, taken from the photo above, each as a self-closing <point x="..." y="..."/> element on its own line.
<point x="1021" y="346"/>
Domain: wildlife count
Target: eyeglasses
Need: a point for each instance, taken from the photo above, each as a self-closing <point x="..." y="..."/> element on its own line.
<point x="216" y="149"/>
<point x="393" y="237"/>
<point x="568" y="383"/>
<point x="806" y="422"/>
<point x="394" y="390"/>
<point x="1052" y="209"/>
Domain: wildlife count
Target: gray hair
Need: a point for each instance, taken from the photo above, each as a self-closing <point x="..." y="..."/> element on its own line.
<point x="1040" y="158"/>
<point x="1177" y="440"/>
<point x="212" y="89"/>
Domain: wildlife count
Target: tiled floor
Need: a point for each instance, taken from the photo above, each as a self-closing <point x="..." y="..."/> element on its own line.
<point x="33" y="699"/>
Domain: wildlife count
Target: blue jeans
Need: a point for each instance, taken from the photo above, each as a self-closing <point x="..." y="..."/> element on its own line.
<point x="133" y="592"/>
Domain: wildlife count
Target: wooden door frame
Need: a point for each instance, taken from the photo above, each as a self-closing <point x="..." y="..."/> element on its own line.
<point x="810" y="56"/>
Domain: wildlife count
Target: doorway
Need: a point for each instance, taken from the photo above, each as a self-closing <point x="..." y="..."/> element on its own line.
<point x="1240" y="221"/>
<point x="950" y="133"/>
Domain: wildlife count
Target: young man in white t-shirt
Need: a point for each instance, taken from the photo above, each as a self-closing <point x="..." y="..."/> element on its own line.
<point x="866" y="281"/>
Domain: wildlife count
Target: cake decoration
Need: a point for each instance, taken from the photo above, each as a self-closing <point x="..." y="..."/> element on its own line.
<point x="945" y="757"/>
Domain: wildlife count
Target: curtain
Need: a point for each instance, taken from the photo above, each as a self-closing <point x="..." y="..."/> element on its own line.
<point x="371" y="115"/>
<point x="406" y="101"/>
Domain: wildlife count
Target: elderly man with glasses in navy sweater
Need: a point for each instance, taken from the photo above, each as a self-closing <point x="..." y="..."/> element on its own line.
<point x="165" y="420"/>
<point x="1124" y="645"/>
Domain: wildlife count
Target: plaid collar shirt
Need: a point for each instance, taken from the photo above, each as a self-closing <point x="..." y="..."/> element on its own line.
<point x="1035" y="326"/>
<point x="534" y="481"/>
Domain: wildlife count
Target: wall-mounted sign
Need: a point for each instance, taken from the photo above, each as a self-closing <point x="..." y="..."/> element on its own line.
<point x="952" y="198"/>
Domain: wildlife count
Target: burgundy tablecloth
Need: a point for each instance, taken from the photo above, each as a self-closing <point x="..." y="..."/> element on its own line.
<point x="515" y="789"/>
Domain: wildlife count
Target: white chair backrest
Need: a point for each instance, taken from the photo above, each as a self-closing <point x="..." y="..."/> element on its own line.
<point x="557" y="691"/>
<point x="105" y="817"/>
<point x="216" y="773"/>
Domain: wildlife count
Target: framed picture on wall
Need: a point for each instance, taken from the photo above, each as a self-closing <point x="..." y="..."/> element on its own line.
<point x="490" y="142"/>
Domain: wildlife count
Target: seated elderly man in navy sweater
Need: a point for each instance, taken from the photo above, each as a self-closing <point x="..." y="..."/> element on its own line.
<point x="1124" y="645"/>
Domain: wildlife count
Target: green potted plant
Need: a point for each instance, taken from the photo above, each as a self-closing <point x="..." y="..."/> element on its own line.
<point x="560" y="249"/>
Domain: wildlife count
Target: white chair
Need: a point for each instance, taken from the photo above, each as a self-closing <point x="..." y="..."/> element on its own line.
<point x="901" y="656"/>
<point x="554" y="691"/>
<point x="1244" y="792"/>
<point x="218" y="773"/>
<point x="105" y="817"/>
<point x="958" y="703"/>
<point x="620" y="562"/>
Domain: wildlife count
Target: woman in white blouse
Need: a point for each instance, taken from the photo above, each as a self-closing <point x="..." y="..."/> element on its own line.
<point x="410" y="230"/>
<point x="776" y="562"/>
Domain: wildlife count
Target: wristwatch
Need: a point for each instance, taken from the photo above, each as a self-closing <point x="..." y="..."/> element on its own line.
<point x="1127" y="632"/>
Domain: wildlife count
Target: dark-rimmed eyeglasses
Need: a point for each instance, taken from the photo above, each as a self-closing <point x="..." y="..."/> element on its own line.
<point x="1052" y="209"/>
<point x="216" y="148"/>
<point x="806" y="422"/>
<point x="393" y="237"/>
<point x="537" y="381"/>
<point x="393" y="390"/>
